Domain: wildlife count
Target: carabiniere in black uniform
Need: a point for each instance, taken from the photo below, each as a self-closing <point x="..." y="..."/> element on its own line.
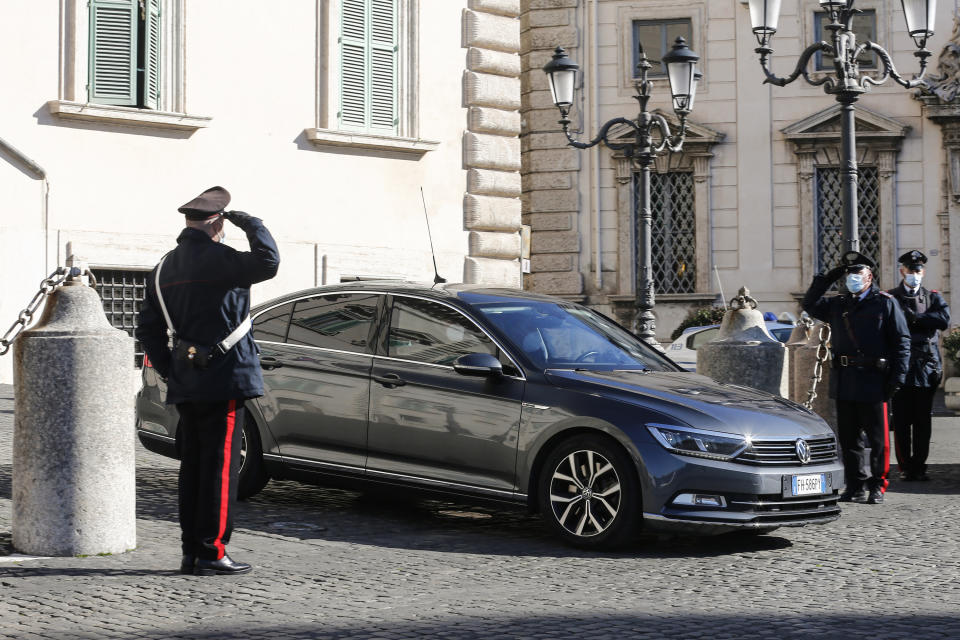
<point x="870" y="347"/>
<point x="927" y="314"/>
<point x="210" y="363"/>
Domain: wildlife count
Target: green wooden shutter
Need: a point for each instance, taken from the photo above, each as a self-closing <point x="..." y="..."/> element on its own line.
<point x="151" y="56"/>
<point x="368" y="65"/>
<point x="113" y="52"/>
<point x="383" y="66"/>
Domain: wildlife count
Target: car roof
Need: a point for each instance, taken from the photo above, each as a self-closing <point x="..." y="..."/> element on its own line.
<point x="448" y="292"/>
<point x="770" y="324"/>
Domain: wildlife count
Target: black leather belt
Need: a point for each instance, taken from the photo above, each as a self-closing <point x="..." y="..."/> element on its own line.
<point x="853" y="361"/>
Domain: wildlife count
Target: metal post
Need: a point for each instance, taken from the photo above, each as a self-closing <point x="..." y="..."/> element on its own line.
<point x="644" y="323"/>
<point x="850" y="173"/>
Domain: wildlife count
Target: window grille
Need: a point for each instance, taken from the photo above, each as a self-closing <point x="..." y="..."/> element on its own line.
<point x="122" y="293"/>
<point x="673" y="239"/>
<point x="829" y="215"/>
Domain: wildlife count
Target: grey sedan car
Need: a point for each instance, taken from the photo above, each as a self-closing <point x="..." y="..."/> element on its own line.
<point x="513" y="397"/>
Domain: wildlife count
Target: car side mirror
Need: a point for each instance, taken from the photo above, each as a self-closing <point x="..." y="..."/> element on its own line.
<point x="478" y="364"/>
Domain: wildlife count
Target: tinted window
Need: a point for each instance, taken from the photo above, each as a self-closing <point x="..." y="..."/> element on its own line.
<point x="337" y="321"/>
<point x="429" y="332"/>
<point x="271" y="325"/>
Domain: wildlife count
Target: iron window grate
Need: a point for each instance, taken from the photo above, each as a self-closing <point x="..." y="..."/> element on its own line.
<point x="828" y="198"/>
<point x="122" y="292"/>
<point x="673" y="237"/>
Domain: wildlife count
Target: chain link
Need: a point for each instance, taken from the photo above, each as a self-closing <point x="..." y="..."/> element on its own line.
<point x="823" y="354"/>
<point x="47" y="286"/>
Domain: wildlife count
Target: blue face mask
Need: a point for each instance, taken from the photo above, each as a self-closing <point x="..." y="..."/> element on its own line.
<point x="855" y="282"/>
<point x="913" y="279"/>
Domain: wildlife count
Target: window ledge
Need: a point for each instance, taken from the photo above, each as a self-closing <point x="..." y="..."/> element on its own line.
<point x="327" y="137"/>
<point x="126" y="115"/>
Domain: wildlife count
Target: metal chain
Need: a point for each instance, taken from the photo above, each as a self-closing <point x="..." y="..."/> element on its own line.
<point x="47" y="286"/>
<point x="823" y="354"/>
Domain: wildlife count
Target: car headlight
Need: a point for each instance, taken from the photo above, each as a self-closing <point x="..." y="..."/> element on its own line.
<point x="697" y="442"/>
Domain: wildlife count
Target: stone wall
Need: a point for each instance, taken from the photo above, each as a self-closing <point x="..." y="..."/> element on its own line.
<point x="491" y="89"/>
<point x="550" y="167"/>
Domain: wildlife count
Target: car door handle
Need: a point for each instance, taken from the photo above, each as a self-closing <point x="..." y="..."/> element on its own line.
<point x="270" y="363"/>
<point x="390" y="380"/>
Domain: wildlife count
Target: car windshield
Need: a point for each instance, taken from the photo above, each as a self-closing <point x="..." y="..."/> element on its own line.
<point x="566" y="336"/>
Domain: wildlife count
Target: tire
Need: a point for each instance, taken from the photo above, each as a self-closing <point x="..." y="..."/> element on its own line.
<point x="253" y="475"/>
<point x="590" y="510"/>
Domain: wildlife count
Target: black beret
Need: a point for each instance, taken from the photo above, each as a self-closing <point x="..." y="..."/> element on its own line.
<point x="913" y="259"/>
<point x="854" y="261"/>
<point x="209" y="203"/>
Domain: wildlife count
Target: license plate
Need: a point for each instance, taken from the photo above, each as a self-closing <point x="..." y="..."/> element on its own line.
<point x="807" y="485"/>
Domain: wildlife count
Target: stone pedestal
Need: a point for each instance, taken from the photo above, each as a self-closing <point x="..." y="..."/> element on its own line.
<point x="744" y="352"/>
<point x="73" y="445"/>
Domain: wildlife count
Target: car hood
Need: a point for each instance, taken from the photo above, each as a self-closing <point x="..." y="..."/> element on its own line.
<point x="699" y="401"/>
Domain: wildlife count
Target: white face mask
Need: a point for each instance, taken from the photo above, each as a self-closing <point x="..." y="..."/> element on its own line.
<point x="913" y="279"/>
<point x="855" y="282"/>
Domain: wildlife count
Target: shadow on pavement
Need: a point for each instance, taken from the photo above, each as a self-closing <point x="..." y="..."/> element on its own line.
<point x="944" y="480"/>
<point x="13" y="571"/>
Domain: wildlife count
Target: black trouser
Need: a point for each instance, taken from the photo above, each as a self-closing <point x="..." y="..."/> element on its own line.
<point x="208" y="439"/>
<point x="912" y="407"/>
<point x="871" y="418"/>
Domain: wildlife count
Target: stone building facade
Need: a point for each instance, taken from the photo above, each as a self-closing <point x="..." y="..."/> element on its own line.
<point x="323" y="117"/>
<point x="754" y="197"/>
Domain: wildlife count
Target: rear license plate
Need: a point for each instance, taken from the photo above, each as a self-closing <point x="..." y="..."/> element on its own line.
<point x="808" y="485"/>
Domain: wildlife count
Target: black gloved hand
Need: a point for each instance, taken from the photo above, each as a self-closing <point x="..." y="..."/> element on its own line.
<point x="891" y="389"/>
<point x="910" y="315"/>
<point x="238" y="218"/>
<point x="834" y="274"/>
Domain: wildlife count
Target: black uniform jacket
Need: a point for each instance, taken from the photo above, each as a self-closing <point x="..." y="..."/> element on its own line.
<point x="927" y="314"/>
<point x="879" y="331"/>
<point x="206" y="287"/>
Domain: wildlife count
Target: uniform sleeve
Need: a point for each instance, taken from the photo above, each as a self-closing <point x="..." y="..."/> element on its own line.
<point x="937" y="315"/>
<point x="813" y="301"/>
<point x="151" y="330"/>
<point x="898" y="342"/>
<point x="261" y="262"/>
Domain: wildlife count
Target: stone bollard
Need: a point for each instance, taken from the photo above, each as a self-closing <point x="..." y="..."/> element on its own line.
<point x="74" y="485"/>
<point x="803" y="360"/>
<point x="744" y="352"/>
<point x="798" y="338"/>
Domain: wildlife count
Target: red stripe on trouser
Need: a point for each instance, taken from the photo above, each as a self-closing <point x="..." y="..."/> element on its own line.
<point x="886" y="447"/>
<point x="225" y="478"/>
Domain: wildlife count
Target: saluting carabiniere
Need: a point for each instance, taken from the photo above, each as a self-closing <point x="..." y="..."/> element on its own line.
<point x="195" y="328"/>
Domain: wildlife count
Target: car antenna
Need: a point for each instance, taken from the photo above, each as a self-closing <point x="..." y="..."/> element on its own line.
<point x="437" y="279"/>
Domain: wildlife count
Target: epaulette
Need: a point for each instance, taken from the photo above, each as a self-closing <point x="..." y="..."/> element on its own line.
<point x="884" y="293"/>
<point x="934" y="291"/>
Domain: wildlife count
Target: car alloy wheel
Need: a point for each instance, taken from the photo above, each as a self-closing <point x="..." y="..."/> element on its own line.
<point x="589" y="493"/>
<point x="585" y="493"/>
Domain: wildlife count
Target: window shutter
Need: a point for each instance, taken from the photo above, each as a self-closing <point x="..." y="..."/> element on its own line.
<point x="151" y="56"/>
<point x="113" y="52"/>
<point x="368" y="65"/>
<point x="383" y="65"/>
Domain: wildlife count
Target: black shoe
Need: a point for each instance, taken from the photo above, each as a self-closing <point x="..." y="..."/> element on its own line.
<point x="876" y="497"/>
<point x="854" y="496"/>
<point x="222" y="567"/>
<point x="905" y="475"/>
<point x="187" y="563"/>
<point x="922" y="477"/>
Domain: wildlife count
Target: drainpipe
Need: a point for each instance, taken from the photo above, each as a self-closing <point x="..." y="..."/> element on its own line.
<point x="41" y="174"/>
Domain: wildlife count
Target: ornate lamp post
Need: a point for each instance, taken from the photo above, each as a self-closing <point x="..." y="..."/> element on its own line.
<point x="651" y="137"/>
<point x="847" y="82"/>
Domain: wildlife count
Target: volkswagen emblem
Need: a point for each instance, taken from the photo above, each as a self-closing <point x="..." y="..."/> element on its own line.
<point x="803" y="451"/>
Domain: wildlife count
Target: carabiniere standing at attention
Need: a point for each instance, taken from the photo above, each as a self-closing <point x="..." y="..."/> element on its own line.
<point x="870" y="345"/>
<point x="927" y="315"/>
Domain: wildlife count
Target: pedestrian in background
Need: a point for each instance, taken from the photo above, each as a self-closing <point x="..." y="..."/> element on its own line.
<point x="195" y="327"/>
<point x="870" y="345"/>
<point x="927" y="314"/>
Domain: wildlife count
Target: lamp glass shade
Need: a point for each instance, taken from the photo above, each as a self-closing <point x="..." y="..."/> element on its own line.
<point x="764" y="16"/>
<point x="681" y="65"/>
<point x="562" y="75"/>
<point x="920" y="16"/>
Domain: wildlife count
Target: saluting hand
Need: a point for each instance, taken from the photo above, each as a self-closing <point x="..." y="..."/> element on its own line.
<point x="238" y="218"/>
<point x="834" y="274"/>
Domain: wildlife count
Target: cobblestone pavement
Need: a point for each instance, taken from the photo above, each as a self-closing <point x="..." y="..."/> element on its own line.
<point x="336" y="564"/>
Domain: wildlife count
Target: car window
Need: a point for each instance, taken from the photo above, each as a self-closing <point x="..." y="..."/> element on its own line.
<point x="782" y="334"/>
<point x="426" y="331"/>
<point x="271" y="325"/>
<point x="700" y="338"/>
<point x="341" y="321"/>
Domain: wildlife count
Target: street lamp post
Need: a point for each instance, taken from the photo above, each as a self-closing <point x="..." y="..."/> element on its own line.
<point x="651" y="137"/>
<point x="847" y="82"/>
